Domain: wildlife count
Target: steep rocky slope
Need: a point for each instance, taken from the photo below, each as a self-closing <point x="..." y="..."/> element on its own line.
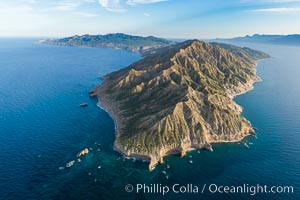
<point x="180" y="98"/>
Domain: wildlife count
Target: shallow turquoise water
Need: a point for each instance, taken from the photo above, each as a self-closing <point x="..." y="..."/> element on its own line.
<point x="42" y="128"/>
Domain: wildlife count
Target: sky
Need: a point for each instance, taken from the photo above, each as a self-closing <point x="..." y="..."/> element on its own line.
<point x="203" y="19"/>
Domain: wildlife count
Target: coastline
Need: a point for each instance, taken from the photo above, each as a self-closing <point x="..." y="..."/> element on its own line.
<point x="116" y="146"/>
<point x="114" y="116"/>
<point x="153" y="160"/>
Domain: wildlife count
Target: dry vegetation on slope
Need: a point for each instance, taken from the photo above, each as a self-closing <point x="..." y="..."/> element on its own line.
<point x="180" y="98"/>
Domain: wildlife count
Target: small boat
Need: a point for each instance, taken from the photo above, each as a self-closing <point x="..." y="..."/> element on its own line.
<point x="198" y="151"/>
<point x="99" y="167"/>
<point x="168" y="166"/>
<point x="190" y="161"/>
<point x="61" y="168"/>
<point x="164" y="172"/>
<point x="246" y="145"/>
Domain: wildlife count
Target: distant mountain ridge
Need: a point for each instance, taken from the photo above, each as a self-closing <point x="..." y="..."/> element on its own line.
<point x="272" y="39"/>
<point x="139" y="44"/>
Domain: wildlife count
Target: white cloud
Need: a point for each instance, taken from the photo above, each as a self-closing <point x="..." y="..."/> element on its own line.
<point x="136" y="2"/>
<point x="104" y="3"/>
<point x="16" y="9"/>
<point x="112" y="5"/>
<point x="116" y="5"/>
<point x="65" y="6"/>
<point x="147" y="14"/>
<point x="277" y="10"/>
<point x="86" y="14"/>
<point x="29" y="1"/>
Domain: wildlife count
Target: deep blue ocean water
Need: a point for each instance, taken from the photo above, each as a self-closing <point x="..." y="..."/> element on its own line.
<point x="42" y="128"/>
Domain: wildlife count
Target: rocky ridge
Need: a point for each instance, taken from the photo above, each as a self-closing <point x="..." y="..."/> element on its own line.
<point x="143" y="45"/>
<point x="179" y="98"/>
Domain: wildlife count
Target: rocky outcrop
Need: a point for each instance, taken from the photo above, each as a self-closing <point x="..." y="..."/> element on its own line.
<point x="83" y="104"/>
<point x="180" y="98"/>
<point x="70" y="164"/>
<point x="83" y="152"/>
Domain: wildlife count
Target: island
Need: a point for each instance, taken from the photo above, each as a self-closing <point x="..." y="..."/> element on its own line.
<point x="179" y="98"/>
<point x="142" y="45"/>
<point x="293" y="39"/>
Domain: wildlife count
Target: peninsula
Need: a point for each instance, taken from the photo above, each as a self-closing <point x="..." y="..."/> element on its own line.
<point x="179" y="98"/>
<point x="143" y="45"/>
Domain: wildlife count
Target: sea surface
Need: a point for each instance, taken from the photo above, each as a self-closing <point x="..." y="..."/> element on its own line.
<point x="42" y="128"/>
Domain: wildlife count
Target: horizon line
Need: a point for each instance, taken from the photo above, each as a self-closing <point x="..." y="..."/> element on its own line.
<point x="141" y="35"/>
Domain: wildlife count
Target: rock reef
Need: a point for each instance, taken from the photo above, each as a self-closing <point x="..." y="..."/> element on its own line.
<point x="70" y="164"/>
<point x="82" y="152"/>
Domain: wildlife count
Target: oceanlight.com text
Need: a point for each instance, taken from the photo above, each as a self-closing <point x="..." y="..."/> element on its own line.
<point x="208" y="188"/>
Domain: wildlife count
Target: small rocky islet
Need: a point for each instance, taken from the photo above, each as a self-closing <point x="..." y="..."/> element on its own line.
<point x="79" y="154"/>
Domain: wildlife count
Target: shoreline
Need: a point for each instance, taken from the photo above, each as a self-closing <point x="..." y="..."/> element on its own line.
<point x="116" y="145"/>
<point x="153" y="159"/>
<point x="111" y="116"/>
<point x="259" y="79"/>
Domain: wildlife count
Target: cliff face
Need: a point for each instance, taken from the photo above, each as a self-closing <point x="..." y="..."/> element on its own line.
<point x="180" y="98"/>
